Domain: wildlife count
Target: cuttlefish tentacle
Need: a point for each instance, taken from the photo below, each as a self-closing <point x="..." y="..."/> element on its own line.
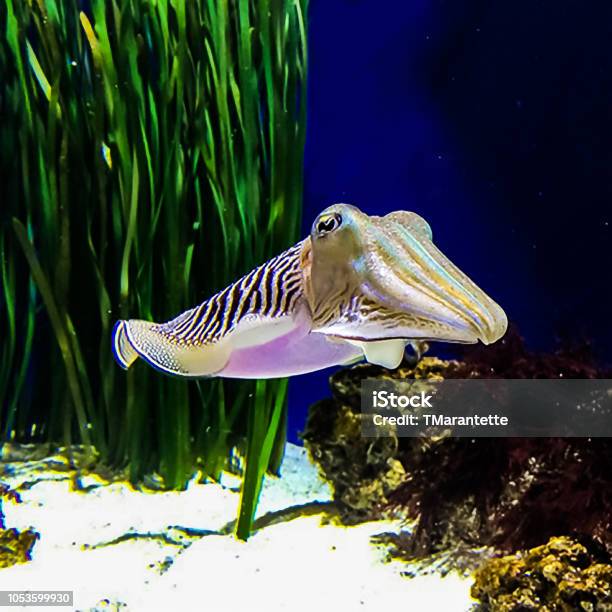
<point x="358" y="286"/>
<point x="408" y="288"/>
<point x="443" y="285"/>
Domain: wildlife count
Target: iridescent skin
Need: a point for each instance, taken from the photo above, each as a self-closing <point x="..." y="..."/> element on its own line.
<point x="358" y="286"/>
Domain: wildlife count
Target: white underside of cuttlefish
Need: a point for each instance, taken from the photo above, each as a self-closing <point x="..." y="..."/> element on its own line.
<point x="358" y="287"/>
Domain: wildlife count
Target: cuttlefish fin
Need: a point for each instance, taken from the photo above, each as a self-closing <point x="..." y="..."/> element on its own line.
<point x="135" y="338"/>
<point x="254" y="348"/>
<point x="386" y="353"/>
<point x="124" y="352"/>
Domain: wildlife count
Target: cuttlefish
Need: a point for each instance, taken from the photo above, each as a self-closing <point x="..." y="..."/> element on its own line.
<point x="358" y="287"/>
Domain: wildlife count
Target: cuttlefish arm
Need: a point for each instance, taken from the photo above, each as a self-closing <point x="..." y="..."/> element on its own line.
<point x="359" y="286"/>
<point x="379" y="282"/>
<point x="258" y="327"/>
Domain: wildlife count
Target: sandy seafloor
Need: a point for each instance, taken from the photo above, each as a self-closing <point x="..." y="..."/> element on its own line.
<point x="163" y="561"/>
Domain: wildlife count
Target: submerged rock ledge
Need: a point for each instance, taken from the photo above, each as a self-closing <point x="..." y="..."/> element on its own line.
<point x="466" y="499"/>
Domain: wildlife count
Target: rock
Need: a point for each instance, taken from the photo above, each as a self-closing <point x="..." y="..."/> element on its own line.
<point x="466" y="494"/>
<point x="16" y="546"/>
<point x="361" y="471"/>
<point x="560" y="576"/>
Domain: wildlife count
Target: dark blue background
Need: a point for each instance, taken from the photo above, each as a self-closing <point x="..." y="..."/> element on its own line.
<point x="493" y="120"/>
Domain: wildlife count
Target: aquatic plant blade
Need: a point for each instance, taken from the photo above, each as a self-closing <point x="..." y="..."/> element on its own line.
<point x="152" y="155"/>
<point x="59" y="326"/>
<point x="261" y="440"/>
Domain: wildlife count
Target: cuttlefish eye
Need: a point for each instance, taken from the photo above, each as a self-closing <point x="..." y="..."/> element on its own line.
<point x="328" y="223"/>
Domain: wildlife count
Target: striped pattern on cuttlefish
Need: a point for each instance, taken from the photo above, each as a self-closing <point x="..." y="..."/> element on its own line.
<point x="358" y="287"/>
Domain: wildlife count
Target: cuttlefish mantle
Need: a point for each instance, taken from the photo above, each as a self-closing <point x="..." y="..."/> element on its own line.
<point x="358" y="287"/>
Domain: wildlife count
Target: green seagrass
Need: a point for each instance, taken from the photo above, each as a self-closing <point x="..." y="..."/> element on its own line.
<point x="151" y="152"/>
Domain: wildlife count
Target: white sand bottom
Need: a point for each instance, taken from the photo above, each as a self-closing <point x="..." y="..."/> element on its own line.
<point x="162" y="560"/>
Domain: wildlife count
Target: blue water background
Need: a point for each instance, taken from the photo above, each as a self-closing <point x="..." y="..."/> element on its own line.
<point x="494" y="122"/>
